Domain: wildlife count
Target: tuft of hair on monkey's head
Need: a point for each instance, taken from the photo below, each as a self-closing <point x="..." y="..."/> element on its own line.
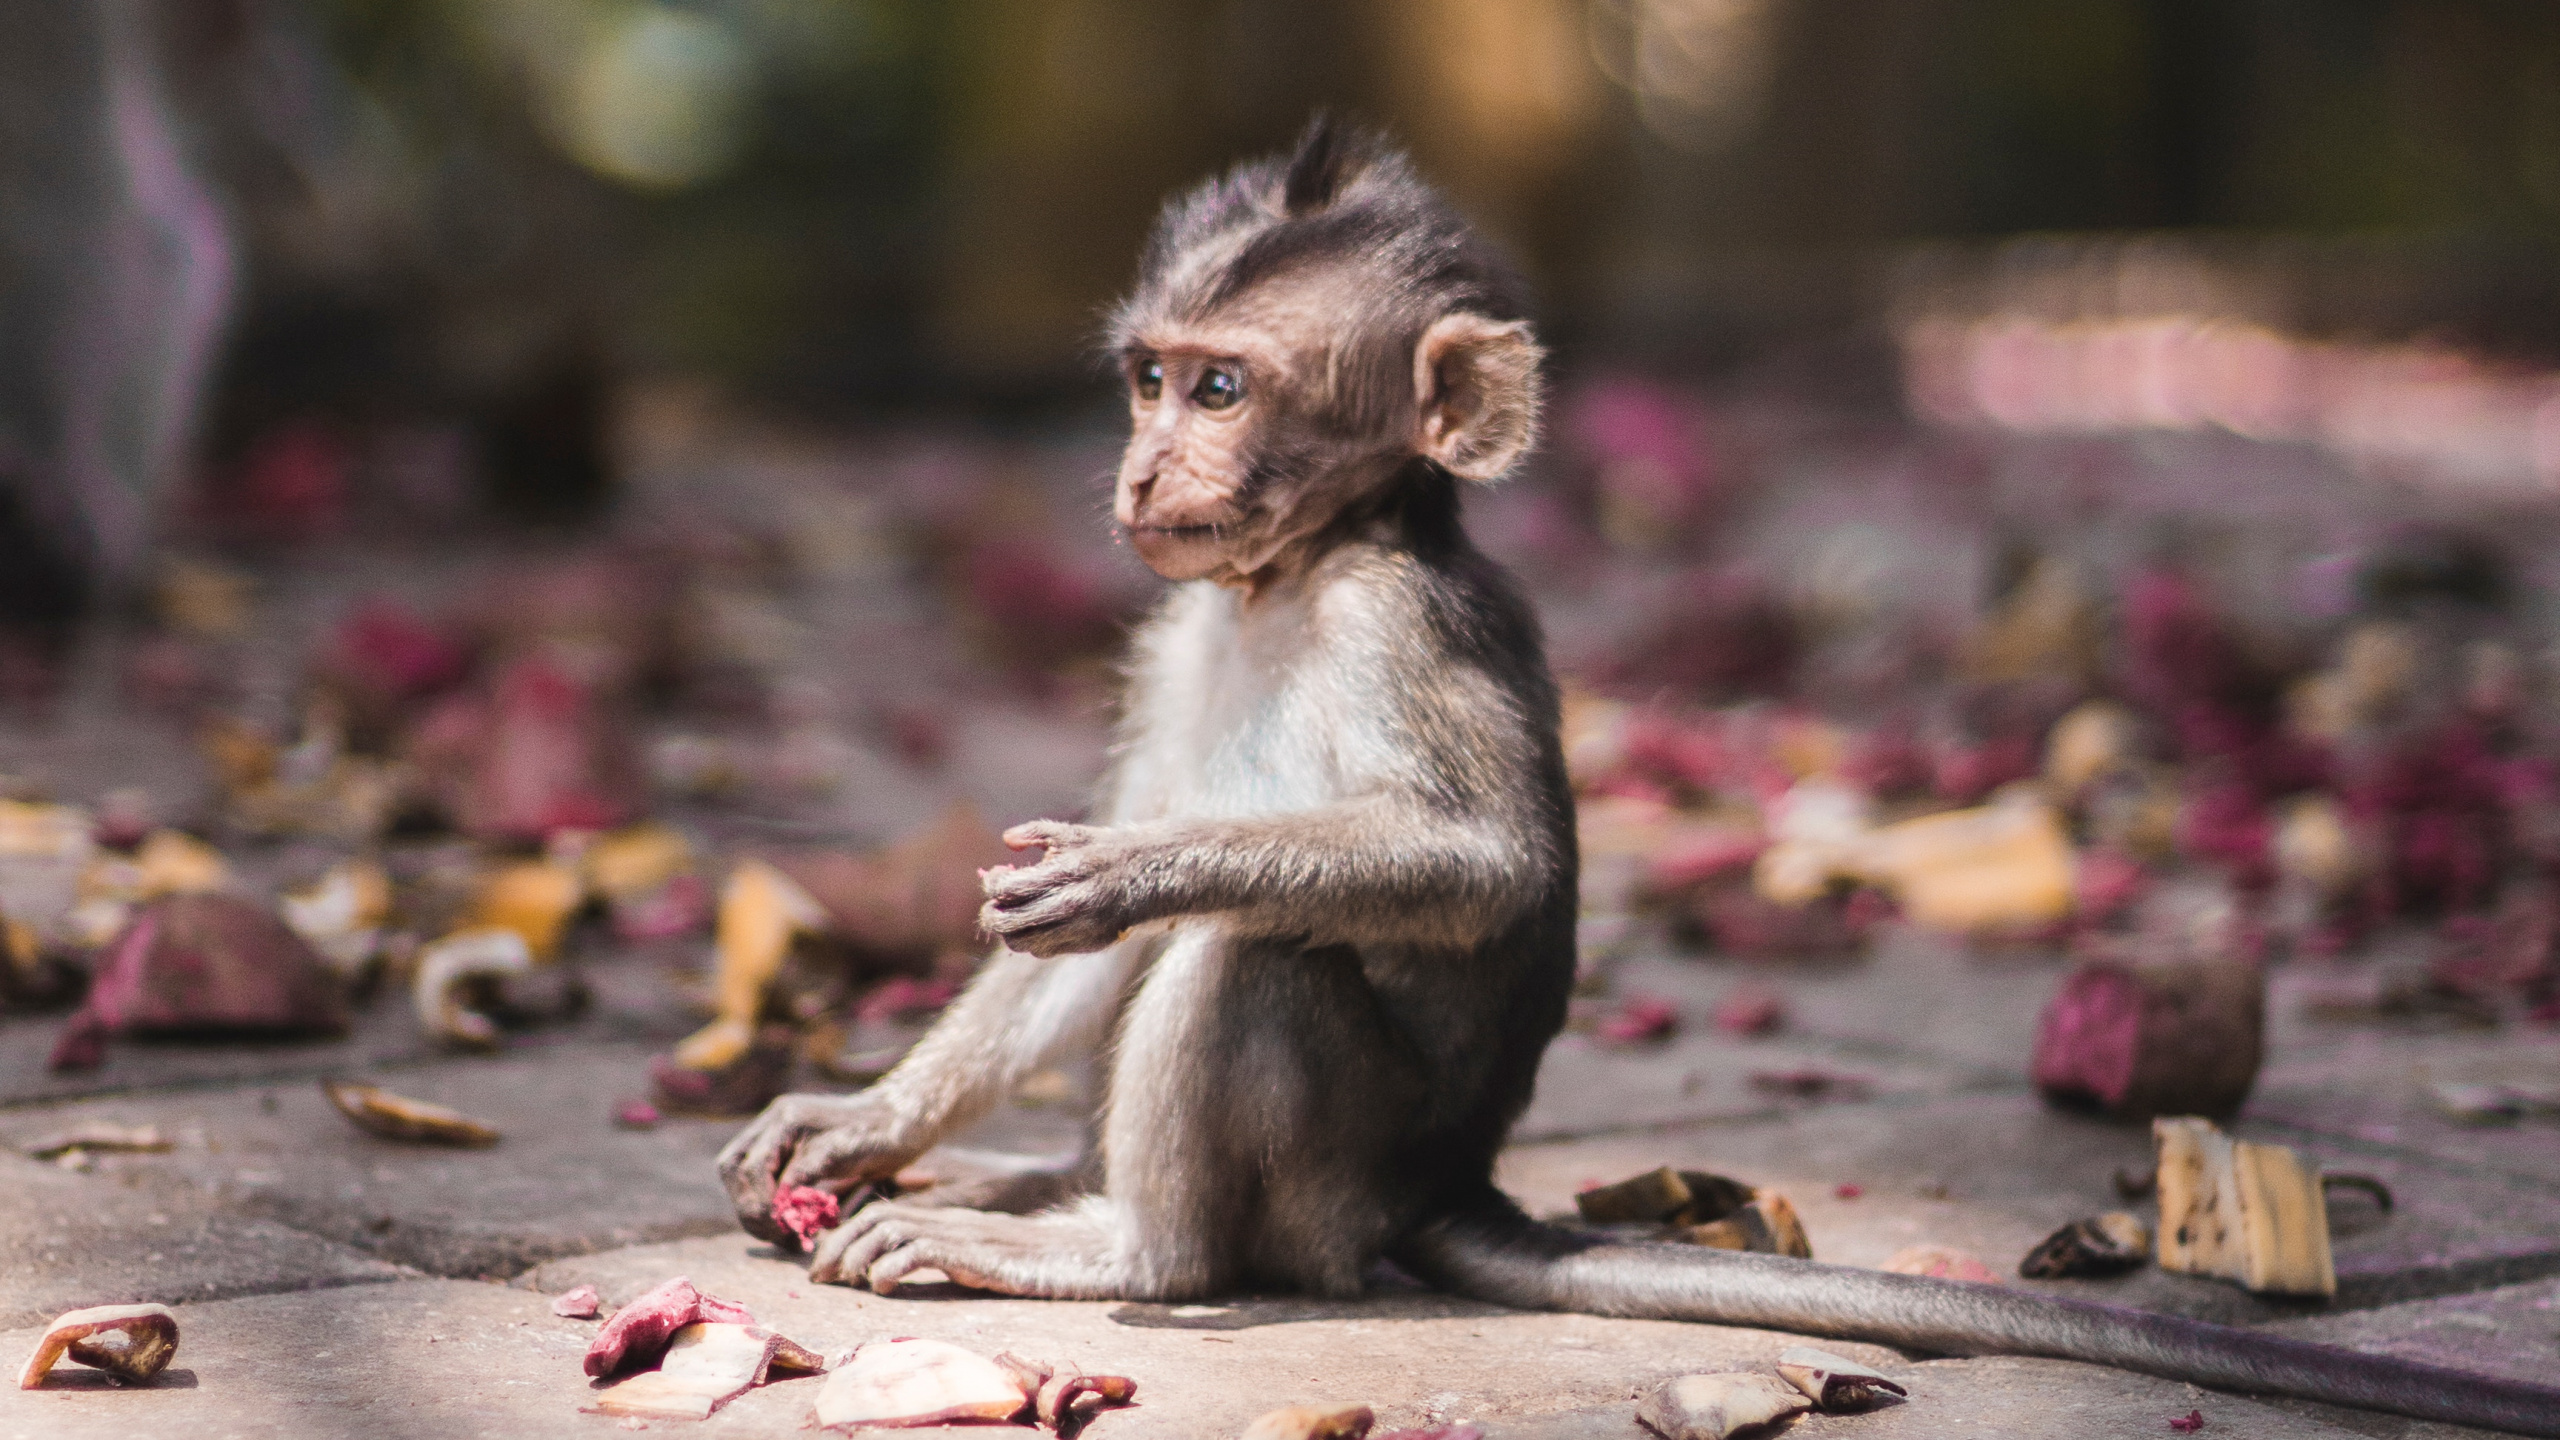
<point x="1305" y="330"/>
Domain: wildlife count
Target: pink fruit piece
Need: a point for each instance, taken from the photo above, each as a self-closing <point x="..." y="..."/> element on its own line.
<point x="2188" y="1423"/>
<point x="203" y="965"/>
<point x="638" y="1332"/>
<point x="2173" y="1038"/>
<point x="1641" y="1019"/>
<point x="1940" y="1262"/>
<point x="578" y="1304"/>
<point x="805" y="1210"/>
<point x="636" y="1115"/>
<point x="1750" y="1010"/>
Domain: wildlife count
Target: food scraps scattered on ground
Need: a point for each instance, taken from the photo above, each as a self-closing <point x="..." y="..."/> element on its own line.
<point x="640" y="1332"/>
<point x="1735" y="1403"/>
<point x="1697" y="1208"/>
<point x="705" y="1364"/>
<point x="396" y="1117"/>
<point x="903" y="1382"/>
<point x="2253" y="1213"/>
<point x="2107" y="1244"/>
<point x="131" y="1343"/>
<point x="1313" y="1422"/>
<point x="578" y="1303"/>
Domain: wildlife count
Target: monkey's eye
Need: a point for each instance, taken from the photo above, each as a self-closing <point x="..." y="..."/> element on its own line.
<point x="1217" y="389"/>
<point x="1150" y="379"/>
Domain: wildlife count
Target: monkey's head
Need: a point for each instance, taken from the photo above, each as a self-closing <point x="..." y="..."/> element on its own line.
<point x="1308" y="335"/>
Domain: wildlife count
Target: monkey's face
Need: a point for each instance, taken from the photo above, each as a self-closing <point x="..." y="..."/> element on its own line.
<point x="1259" y="429"/>
<point x="1217" y="478"/>
<point x="1181" y="488"/>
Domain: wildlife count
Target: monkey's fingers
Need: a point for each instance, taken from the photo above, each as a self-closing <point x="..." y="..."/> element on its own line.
<point x="826" y="1257"/>
<point x="845" y="1153"/>
<point x="1028" y="884"/>
<point x="1048" y="834"/>
<point x="887" y="1271"/>
<point x="852" y="1248"/>
<point x="748" y="1165"/>
<point x="1050" y="926"/>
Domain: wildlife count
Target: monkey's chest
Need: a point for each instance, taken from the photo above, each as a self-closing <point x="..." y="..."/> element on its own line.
<point x="1267" y="757"/>
<point x="1242" y="744"/>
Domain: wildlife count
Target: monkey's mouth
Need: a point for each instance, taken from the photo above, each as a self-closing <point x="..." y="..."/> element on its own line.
<point x="1174" y="532"/>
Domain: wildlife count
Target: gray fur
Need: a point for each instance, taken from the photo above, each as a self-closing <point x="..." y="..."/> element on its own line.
<point x="1323" y="929"/>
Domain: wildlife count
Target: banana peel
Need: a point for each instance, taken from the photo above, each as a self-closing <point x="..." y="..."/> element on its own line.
<point x="2241" y="1211"/>
<point x="762" y="911"/>
<point x="533" y="898"/>
<point x="2007" y="865"/>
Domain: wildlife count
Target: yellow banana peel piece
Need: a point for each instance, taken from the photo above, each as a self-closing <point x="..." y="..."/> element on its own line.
<point x="533" y="898"/>
<point x="762" y="911"/>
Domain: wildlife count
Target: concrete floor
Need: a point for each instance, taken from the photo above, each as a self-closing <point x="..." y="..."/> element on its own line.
<point x="331" y="1283"/>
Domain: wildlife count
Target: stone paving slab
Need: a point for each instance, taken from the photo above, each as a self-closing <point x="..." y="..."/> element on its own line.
<point x="438" y="1358"/>
<point x="634" y="1000"/>
<point x="1207" y="1370"/>
<point x="2029" y="1399"/>
<point x="1994" y="1174"/>
<point x="1912" y="994"/>
<point x="2512" y="1331"/>
<point x="68" y="1241"/>
<point x="563" y="1179"/>
<point x="2376" y="1087"/>
<point x="1585" y="1088"/>
<point x="426" y="1358"/>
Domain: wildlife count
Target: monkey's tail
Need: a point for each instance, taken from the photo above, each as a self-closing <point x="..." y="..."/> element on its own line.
<point x="1493" y="1252"/>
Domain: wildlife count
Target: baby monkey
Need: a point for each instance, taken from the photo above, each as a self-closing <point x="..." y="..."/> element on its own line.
<point x="1323" y="929"/>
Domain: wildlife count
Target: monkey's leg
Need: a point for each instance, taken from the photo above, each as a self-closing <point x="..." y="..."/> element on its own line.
<point x="1258" y="1095"/>
<point x="1152" y="1234"/>
<point x="1065" y="1254"/>
<point x="1022" y="1012"/>
<point x="1023" y="1194"/>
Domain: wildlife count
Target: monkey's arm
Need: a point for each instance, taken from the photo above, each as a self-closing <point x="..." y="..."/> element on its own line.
<point x="1379" y="869"/>
<point x="1020" y="1014"/>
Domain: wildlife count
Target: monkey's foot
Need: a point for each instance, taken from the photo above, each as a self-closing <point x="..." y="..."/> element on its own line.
<point x="1062" y="1255"/>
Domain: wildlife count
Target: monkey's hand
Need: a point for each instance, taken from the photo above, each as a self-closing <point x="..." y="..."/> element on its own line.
<point x="1074" y="899"/>
<point x="833" y="1142"/>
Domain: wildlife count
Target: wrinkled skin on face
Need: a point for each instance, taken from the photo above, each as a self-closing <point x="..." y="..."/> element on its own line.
<point x="1244" y="447"/>
<point x="1213" y="485"/>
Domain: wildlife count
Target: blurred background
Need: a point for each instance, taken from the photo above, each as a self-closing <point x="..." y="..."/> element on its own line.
<point x="2156" y="403"/>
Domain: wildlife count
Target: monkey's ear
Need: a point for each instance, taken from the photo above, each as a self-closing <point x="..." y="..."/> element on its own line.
<point x="1477" y="380"/>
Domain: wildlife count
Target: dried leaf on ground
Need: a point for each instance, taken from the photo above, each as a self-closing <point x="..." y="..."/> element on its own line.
<point x="2108" y="1244"/>
<point x="99" y="1137"/>
<point x="1831" y="1382"/>
<point x="133" y="1343"/>
<point x="1768" y="1226"/>
<point x="396" y="1117"/>
<point x="1313" y="1422"/>
<point x="1716" y="1407"/>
